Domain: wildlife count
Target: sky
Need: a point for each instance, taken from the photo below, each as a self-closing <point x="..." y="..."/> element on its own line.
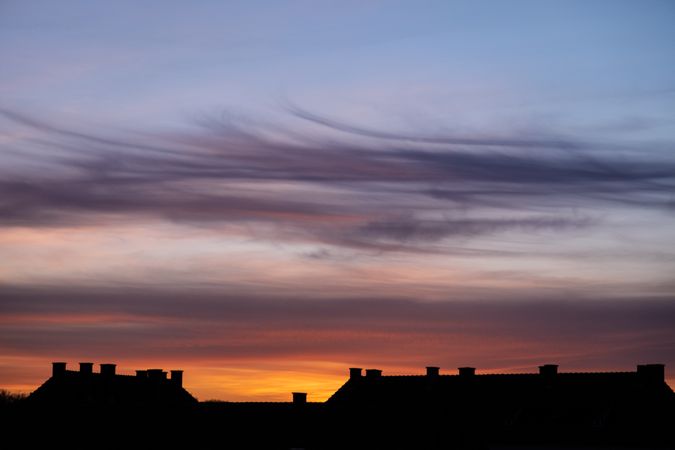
<point x="264" y="194"/>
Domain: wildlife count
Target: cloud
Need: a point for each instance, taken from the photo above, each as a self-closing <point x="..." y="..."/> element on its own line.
<point x="129" y="323"/>
<point x="408" y="194"/>
<point x="406" y="229"/>
<point x="479" y="141"/>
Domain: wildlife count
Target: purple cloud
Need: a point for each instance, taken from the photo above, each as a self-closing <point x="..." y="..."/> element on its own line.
<point x="407" y="196"/>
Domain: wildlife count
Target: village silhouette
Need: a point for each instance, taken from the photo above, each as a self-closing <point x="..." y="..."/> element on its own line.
<point x="463" y="410"/>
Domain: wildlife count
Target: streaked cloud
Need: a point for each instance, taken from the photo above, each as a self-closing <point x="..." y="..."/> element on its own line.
<point x="388" y="192"/>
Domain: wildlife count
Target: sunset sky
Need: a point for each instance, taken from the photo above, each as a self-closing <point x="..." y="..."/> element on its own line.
<point x="267" y="193"/>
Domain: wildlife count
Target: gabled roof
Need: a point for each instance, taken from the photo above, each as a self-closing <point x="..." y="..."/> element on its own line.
<point x="76" y="388"/>
<point x="504" y="392"/>
<point x="471" y="410"/>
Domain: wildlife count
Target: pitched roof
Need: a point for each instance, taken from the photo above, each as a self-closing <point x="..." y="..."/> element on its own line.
<point x="514" y="392"/>
<point x="77" y="388"/>
<point x="545" y="407"/>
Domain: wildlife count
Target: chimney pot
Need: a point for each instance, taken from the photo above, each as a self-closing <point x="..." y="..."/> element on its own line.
<point x="86" y="368"/>
<point x="58" y="369"/>
<point x="548" y="370"/>
<point x="373" y="373"/>
<point x="433" y="371"/>
<point x="177" y="377"/>
<point x="652" y="373"/>
<point x="156" y="374"/>
<point x="299" y="398"/>
<point x="108" y="369"/>
<point x="467" y="371"/>
<point x="355" y="372"/>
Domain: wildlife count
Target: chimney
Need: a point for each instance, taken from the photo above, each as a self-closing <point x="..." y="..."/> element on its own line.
<point x="177" y="377"/>
<point x="299" y="398"/>
<point x="58" y="369"/>
<point x="433" y="371"/>
<point x="355" y="372"/>
<point x="156" y="374"/>
<point x="373" y="373"/>
<point x="467" y="371"/>
<point x="548" y="370"/>
<point x="86" y="368"/>
<point x="108" y="370"/>
<point x="651" y="373"/>
<point x="141" y="374"/>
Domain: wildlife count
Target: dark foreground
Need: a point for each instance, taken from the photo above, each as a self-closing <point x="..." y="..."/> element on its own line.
<point x="106" y="410"/>
<point x="317" y="426"/>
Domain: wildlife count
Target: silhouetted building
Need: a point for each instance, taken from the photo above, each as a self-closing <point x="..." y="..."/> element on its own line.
<point x="149" y="387"/>
<point x="464" y="409"/>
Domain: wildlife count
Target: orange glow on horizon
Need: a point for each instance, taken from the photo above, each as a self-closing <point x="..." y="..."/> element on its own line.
<point x="241" y="381"/>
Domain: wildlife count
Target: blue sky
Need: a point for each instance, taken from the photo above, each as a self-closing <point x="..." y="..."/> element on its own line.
<point x="165" y="59"/>
<point x="437" y="158"/>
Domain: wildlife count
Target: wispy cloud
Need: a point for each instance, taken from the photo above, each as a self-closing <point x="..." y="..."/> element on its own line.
<point x="202" y="326"/>
<point x="388" y="192"/>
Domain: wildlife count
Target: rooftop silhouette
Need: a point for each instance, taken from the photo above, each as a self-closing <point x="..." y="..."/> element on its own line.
<point x="463" y="409"/>
<point x="547" y="387"/>
<point x="86" y="387"/>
